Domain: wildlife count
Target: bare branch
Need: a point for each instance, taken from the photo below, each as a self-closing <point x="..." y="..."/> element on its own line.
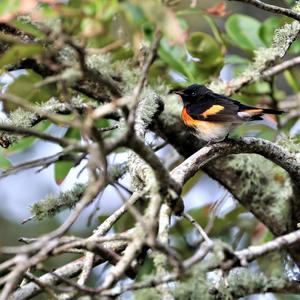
<point x="203" y="234"/>
<point x="272" y="8"/>
<point x="280" y="67"/>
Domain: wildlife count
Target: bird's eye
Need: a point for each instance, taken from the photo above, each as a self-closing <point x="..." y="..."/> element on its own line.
<point x="193" y="94"/>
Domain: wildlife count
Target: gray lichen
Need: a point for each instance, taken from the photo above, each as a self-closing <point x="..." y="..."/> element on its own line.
<point x="121" y="68"/>
<point x="147" y="108"/>
<point x="271" y="183"/>
<point x="54" y="204"/>
<point x="26" y="119"/>
<point x="242" y="282"/>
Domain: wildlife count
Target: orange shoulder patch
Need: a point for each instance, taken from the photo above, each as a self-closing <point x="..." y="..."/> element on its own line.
<point x="187" y="119"/>
<point x="213" y="110"/>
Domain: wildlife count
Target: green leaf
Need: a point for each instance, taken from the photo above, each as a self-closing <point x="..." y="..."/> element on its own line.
<point x="24" y="86"/>
<point x="175" y="57"/>
<point x="28" y="28"/>
<point x="163" y="18"/>
<point x="292" y="80"/>
<point x="4" y="163"/>
<point x="102" y="123"/>
<point x="61" y="170"/>
<point x="102" y="218"/>
<point x="243" y="31"/>
<point x="236" y="60"/>
<point x="201" y="215"/>
<point x="215" y="29"/>
<point x="21" y="145"/>
<point x="124" y="223"/>
<point x="295" y="48"/>
<point x="8" y="7"/>
<point x="268" y="27"/>
<point x="134" y="13"/>
<point x="202" y="46"/>
<point x="73" y="133"/>
<point x="18" y="52"/>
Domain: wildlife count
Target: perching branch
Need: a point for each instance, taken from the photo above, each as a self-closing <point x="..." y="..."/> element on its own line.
<point x="271" y="151"/>
<point x="151" y="180"/>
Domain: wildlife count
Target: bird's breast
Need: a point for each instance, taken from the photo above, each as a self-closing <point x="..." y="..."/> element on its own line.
<point x="212" y="131"/>
<point x="205" y="130"/>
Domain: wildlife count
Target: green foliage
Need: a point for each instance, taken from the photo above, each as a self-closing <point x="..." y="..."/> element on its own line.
<point x="18" y="52"/>
<point x="146" y="294"/>
<point x="24" y="23"/>
<point x="243" y="31"/>
<point x="61" y="170"/>
<point x="24" y="86"/>
<point x="8" y="7"/>
<point x="204" y="48"/>
<point x="205" y="62"/>
<point x="4" y="162"/>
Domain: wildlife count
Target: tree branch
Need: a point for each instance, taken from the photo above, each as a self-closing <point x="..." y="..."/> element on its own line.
<point x="269" y="150"/>
<point x="272" y="8"/>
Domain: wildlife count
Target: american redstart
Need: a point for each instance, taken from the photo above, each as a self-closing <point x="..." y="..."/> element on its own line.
<point x="214" y="116"/>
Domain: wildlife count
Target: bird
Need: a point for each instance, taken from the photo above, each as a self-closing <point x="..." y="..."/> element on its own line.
<point x="213" y="116"/>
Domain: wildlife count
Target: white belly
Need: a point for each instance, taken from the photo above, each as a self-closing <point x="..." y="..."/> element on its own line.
<point x="210" y="131"/>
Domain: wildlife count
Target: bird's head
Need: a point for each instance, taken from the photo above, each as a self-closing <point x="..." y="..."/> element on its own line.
<point x="192" y="93"/>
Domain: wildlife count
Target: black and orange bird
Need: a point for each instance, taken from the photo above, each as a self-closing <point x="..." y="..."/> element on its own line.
<point x="214" y="116"/>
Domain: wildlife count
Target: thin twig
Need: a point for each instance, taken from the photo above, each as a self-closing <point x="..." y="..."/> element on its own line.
<point x="280" y="67"/>
<point x="44" y="136"/>
<point x="198" y="227"/>
<point x="272" y="8"/>
<point x="143" y="77"/>
<point x="63" y="155"/>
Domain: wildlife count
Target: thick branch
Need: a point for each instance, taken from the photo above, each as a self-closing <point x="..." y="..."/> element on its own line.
<point x="271" y="151"/>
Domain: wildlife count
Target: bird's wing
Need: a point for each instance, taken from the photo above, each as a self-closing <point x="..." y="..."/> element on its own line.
<point x="219" y="108"/>
<point x="215" y="109"/>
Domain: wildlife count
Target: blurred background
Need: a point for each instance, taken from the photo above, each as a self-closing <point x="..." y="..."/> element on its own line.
<point x="221" y="40"/>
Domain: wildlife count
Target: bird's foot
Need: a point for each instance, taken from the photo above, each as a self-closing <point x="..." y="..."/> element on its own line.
<point x="229" y="139"/>
<point x="209" y="143"/>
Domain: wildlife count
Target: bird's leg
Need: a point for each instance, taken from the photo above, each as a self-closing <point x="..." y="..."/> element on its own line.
<point x="209" y="143"/>
<point x="228" y="139"/>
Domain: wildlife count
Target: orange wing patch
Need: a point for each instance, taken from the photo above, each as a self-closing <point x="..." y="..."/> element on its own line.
<point x="213" y="110"/>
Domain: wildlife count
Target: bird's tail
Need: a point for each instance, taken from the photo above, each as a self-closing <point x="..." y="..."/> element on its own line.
<point x="272" y="111"/>
<point x="255" y="113"/>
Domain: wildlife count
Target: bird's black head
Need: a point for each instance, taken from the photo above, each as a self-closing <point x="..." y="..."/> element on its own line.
<point x="193" y="93"/>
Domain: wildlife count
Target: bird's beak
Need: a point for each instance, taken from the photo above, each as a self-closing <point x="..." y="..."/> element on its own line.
<point x="180" y="93"/>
